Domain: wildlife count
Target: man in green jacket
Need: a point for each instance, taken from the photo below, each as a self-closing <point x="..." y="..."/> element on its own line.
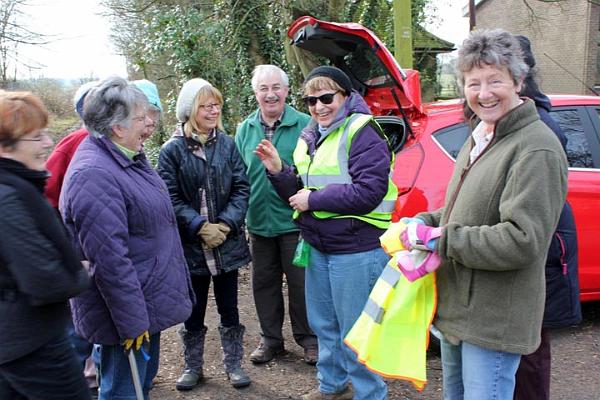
<point x="273" y="235"/>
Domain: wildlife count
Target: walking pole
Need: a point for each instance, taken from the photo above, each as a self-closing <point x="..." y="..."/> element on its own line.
<point x="139" y="394"/>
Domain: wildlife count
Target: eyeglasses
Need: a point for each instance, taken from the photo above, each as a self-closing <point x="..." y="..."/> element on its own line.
<point x="326" y="98"/>
<point x="43" y="135"/>
<point x="210" y="107"/>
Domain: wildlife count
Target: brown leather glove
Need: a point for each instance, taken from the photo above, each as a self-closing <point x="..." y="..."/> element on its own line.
<point x="211" y="235"/>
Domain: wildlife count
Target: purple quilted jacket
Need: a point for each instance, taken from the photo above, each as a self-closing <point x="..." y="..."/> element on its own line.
<point x="120" y="213"/>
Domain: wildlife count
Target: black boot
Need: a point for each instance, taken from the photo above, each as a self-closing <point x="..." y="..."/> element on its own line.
<point x="193" y="352"/>
<point x="233" y="352"/>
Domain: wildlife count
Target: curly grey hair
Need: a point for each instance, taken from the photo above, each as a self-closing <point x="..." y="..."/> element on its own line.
<point x="495" y="47"/>
<point x="111" y="103"/>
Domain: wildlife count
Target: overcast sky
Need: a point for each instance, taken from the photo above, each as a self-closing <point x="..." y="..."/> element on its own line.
<point x="83" y="49"/>
<point x="450" y="24"/>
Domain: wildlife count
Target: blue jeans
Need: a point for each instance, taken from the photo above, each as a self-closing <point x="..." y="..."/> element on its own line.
<point x="117" y="382"/>
<point x="471" y="372"/>
<point x="337" y="288"/>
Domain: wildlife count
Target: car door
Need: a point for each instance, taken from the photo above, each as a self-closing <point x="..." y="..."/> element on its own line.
<point x="581" y="125"/>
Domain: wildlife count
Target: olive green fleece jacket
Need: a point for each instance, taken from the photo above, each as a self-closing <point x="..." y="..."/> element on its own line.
<point x="268" y="215"/>
<point x="499" y="216"/>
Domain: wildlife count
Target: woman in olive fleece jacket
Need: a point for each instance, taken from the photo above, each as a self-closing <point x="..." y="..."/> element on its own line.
<point x="501" y="208"/>
<point x="499" y="216"/>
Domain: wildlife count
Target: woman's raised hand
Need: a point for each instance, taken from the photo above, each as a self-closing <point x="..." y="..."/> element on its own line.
<point x="269" y="156"/>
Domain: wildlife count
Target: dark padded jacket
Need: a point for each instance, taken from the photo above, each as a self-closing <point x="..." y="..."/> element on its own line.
<point x="562" y="281"/>
<point x="34" y="282"/>
<point x="222" y="175"/>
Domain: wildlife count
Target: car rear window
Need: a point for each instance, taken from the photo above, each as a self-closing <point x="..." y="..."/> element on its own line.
<point x="367" y="67"/>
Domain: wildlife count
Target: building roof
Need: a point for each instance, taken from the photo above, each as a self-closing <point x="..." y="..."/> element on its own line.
<point x="427" y="42"/>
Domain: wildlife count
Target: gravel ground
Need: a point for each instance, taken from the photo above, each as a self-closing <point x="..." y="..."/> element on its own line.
<point x="575" y="358"/>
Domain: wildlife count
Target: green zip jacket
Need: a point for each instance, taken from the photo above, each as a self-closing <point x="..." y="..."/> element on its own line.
<point x="268" y="215"/>
<point x="499" y="217"/>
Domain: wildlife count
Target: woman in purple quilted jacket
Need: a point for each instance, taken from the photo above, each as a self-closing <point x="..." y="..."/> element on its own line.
<point x="119" y="211"/>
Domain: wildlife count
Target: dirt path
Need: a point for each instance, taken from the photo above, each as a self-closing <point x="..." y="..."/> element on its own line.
<point x="576" y="364"/>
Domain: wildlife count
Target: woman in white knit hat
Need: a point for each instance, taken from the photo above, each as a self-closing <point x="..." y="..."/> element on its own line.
<point x="209" y="190"/>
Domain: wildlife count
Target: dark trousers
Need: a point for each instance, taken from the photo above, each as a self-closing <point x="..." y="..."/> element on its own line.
<point x="51" y="372"/>
<point x="271" y="259"/>
<point x="225" y="288"/>
<point x="533" y="375"/>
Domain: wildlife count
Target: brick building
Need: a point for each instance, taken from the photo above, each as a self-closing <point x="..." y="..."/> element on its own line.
<point x="564" y="37"/>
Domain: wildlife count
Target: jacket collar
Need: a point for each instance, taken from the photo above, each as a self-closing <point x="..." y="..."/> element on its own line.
<point x="517" y="118"/>
<point x="355" y="103"/>
<point x="115" y="153"/>
<point x="520" y="116"/>
<point x="288" y="118"/>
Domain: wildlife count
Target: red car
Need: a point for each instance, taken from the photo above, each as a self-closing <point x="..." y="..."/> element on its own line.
<point x="427" y="137"/>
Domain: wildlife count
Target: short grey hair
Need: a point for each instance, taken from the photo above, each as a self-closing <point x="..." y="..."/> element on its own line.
<point x="263" y="70"/>
<point x="495" y="47"/>
<point x="111" y="103"/>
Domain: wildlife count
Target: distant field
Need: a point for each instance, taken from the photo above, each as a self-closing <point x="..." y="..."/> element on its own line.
<point x="448" y="87"/>
<point x="60" y="126"/>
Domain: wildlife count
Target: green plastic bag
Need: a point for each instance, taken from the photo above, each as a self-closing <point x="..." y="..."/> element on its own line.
<point x="302" y="254"/>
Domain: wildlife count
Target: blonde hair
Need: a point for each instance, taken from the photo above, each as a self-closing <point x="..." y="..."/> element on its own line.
<point x="320" y="83"/>
<point x="20" y="113"/>
<point x="204" y="94"/>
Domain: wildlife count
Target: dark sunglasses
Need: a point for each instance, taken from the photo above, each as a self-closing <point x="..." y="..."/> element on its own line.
<point x="326" y="98"/>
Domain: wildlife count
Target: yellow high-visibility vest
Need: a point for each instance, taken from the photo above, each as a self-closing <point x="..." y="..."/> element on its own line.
<point x="329" y="165"/>
<point x="391" y="335"/>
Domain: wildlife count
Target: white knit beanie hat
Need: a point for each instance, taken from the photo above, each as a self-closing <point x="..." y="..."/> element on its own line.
<point x="186" y="98"/>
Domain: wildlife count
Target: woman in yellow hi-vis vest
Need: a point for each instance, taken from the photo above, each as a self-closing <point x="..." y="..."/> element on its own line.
<point x="343" y="198"/>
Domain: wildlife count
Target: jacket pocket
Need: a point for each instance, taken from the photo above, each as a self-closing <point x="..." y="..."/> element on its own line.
<point x="464" y="284"/>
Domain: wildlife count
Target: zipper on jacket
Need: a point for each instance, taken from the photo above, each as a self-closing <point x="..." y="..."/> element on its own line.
<point x="455" y="195"/>
<point x="463" y="175"/>
<point x="563" y="253"/>
<point x="210" y="200"/>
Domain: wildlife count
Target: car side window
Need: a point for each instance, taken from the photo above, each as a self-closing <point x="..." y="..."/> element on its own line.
<point x="578" y="149"/>
<point x="452" y="138"/>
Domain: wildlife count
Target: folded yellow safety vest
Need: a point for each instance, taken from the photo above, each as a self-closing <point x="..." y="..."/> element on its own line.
<point x="391" y="335"/>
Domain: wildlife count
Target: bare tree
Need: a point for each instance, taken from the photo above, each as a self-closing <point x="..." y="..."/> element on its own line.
<point x="13" y="34"/>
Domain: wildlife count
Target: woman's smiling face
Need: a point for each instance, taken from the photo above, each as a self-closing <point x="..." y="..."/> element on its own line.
<point x="31" y="149"/>
<point x="323" y="113"/>
<point x="490" y="92"/>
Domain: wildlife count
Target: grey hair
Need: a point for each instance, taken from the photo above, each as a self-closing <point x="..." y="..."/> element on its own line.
<point x="111" y="103"/>
<point x="266" y="70"/>
<point x="494" y="47"/>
